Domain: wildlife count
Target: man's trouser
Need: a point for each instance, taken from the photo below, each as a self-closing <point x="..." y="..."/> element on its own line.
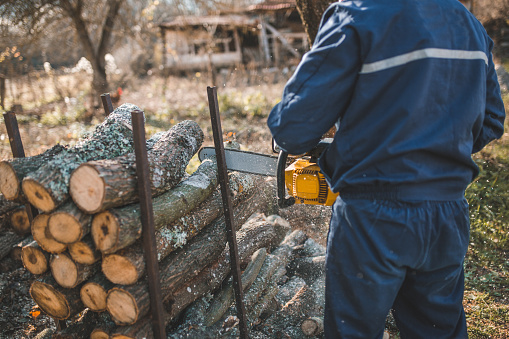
<point x="401" y="255"/>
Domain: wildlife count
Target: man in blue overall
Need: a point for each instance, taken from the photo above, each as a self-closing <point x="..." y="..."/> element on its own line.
<point x="412" y="90"/>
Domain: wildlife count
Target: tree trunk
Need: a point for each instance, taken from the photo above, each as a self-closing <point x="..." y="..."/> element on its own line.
<point x="13" y="171"/>
<point x="68" y="273"/>
<point x="93" y="292"/>
<point x="311" y="12"/>
<point x="126" y="266"/>
<point x="104" y="184"/>
<point x="57" y="302"/>
<point x="84" y="251"/>
<point x="131" y="303"/>
<point x="68" y="224"/>
<point x="48" y="187"/>
<point x="118" y="228"/>
<point x="34" y="258"/>
<point x="43" y="237"/>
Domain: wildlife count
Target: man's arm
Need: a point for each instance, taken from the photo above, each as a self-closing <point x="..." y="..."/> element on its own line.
<point x="319" y="92"/>
<point x="494" y="116"/>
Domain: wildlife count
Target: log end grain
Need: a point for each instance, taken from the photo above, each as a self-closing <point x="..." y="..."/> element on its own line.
<point x="122" y="306"/>
<point x="93" y="296"/>
<point x="43" y="237"/>
<point x="312" y="326"/>
<point x="51" y="301"/>
<point x="119" y="269"/>
<point x="99" y="334"/>
<point x="86" y="188"/>
<point x="38" y="195"/>
<point x="64" y="228"/>
<point x="19" y="221"/>
<point x="64" y="270"/>
<point x="34" y="260"/>
<point x="9" y="183"/>
<point x="104" y="231"/>
<point x="82" y="253"/>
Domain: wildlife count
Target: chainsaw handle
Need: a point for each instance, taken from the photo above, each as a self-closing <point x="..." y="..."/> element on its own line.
<point x="282" y="201"/>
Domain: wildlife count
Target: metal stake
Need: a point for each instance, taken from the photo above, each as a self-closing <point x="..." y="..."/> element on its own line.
<point x="11" y="124"/>
<point x="228" y="211"/>
<point x="147" y="221"/>
<point x="106" y="100"/>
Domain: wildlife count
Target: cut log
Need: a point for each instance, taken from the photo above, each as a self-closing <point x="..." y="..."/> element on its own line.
<point x="84" y="251"/>
<point x="18" y="219"/>
<point x="48" y="187"/>
<point x="57" y="302"/>
<point x="43" y="237"/>
<point x="13" y="171"/>
<point x="69" y="224"/>
<point x="312" y="326"/>
<point x="118" y="228"/>
<point x="34" y="258"/>
<point x="8" y="239"/>
<point x="84" y="326"/>
<point x="130" y="303"/>
<point x="308" y="268"/>
<point x="17" y="249"/>
<point x="94" y="291"/>
<point x="6" y="205"/>
<point x="68" y="273"/>
<point x="140" y="330"/>
<point x="99" y="185"/>
<point x="126" y="266"/>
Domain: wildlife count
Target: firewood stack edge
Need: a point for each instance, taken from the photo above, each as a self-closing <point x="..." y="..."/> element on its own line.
<point x="85" y="251"/>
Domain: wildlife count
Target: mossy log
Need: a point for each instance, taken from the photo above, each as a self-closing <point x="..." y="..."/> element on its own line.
<point x="126" y="266"/>
<point x="18" y="219"/>
<point x="118" y="228"/>
<point x="48" y="187"/>
<point x="7" y="205"/>
<point x="103" y="184"/>
<point x="68" y="273"/>
<point x="43" y="237"/>
<point x="84" y="251"/>
<point x="94" y="291"/>
<point x="254" y="235"/>
<point x="128" y="304"/>
<point x="8" y="240"/>
<point x="34" y="258"/>
<point x="68" y="224"/>
<point x="13" y="171"/>
<point x="57" y="302"/>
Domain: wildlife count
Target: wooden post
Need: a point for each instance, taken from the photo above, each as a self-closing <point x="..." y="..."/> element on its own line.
<point x="147" y="221"/>
<point x="228" y="209"/>
<point x="2" y="91"/>
<point x="106" y="100"/>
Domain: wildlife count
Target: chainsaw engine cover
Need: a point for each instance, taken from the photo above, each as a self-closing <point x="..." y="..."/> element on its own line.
<point x="306" y="183"/>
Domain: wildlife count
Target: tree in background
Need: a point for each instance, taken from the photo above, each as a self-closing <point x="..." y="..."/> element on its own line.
<point x="311" y="12"/>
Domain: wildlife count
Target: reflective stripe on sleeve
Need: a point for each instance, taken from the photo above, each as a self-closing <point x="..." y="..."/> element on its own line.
<point x="423" y="54"/>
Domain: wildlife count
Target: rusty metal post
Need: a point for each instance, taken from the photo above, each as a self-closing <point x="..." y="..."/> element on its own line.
<point x="106" y="100"/>
<point x="228" y="210"/>
<point x="147" y="221"/>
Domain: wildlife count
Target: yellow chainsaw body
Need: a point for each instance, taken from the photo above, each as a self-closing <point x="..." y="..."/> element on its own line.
<point x="306" y="183"/>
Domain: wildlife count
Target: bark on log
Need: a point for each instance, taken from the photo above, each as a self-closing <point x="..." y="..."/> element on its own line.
<point x="6" y="205"/>
<point x="68" y="224"/>
<point x="84" y="251"/>
<point x="18" y="219"/>
<point x="126" y="266"/>
<point x="118" y="228"/>
<point x="140" y="330"/>
<point x="84" y="326"/>
<point x="34" y="258"/>
<point x="13" y="171"/>
<point x="312" y="326"/>
<point x="57" y="302"/>
<point x="8" y="240"/>
<point x="48" y="187"/>
<point x="251" y="237"/>
<point x="69" y="274"/>
<point x="130" y="303"/>
<point x="94" y="291"/>
<point x="100" y="185"/>
<point x="43" y="237"/>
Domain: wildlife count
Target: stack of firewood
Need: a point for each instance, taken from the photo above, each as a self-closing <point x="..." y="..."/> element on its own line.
<point x="85" y="247"/>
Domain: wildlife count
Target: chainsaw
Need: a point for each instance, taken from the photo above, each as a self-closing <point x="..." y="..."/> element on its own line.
<point x="301" y="179"/>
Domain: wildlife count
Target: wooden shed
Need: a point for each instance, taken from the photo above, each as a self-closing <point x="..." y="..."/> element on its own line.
<point x="267" y="34"/>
